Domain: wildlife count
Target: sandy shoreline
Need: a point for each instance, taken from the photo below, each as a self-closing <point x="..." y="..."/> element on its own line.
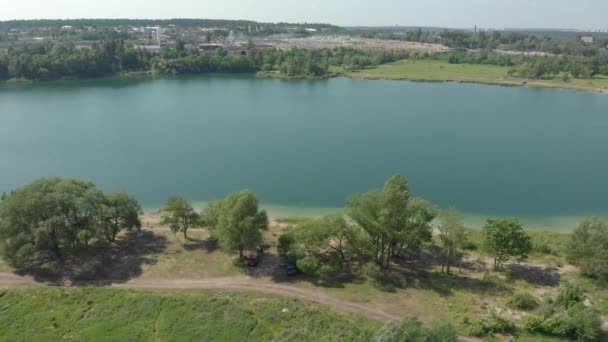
<point x="557" y="223"/>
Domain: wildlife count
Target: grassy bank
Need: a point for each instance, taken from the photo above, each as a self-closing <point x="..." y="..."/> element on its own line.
<point x="441" y="71"/>
<point x="45" y="314"/>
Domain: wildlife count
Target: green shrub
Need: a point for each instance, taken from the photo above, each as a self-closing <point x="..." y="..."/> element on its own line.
<point x="522" y="300"/>
<point x="532" y="323"/>
<point x="470" y="246"/>
<point x="309" y="265"/>
<point x="588" y="248"/>
<point x="478" y="328"/>
<point x="569" y="294"/>
<point x="583" y="322"/>
<point x="499" y="324"/>
<point x="285" y="242"/>
<point x="371" y="271"/>
<point x="442" y="333"/>
<point x="555" y="325"/>
<point x="328" y="271"/>
<point x="578" y="322"/>
<point x="411" y="330"/>
<point x="494" y="324"/>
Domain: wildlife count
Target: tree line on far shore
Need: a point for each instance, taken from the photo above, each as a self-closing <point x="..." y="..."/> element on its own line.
<point x="51" y="61"/>
<point x="52" y="218"/>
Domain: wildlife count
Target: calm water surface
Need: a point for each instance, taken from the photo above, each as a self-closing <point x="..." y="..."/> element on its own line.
<point x="537" y="154"/>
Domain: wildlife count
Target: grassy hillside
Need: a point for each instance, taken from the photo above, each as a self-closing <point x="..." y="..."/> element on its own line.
<point x="431" y="70"/>
<point x="46" y="314"/>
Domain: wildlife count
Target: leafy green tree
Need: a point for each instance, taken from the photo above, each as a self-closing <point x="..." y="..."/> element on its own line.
<point x="391" y="221"/>
<point x="119" y="211"/>
<point x="179" y="215"/>
<point x="309" y="265"/>
<point x="51" y="217"/>
<point x="505" y="240"/>
<point x="588" y="248"/>
<point x="319" y="237"/>
<point x="236" y="222"/>
<point x="453" y="236"/>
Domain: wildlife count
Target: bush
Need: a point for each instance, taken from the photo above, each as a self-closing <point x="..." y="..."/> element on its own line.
<point x="494" y="324"/>
<point x="470" y="246"/>
<point x="584" y="322"/>
<point x="308" y="265"/>
<point x="522" y="301"/>
<point x="442" y="333"/>
<point x="411" y="330"/>
<point x="532" y="323"/>
<point x="371" y="271"/>
<point x="328" y="271"/>
<point x="285" y="242"/>
<point x="568" y="295"/>
<point x="588" y="248"/>
<point x="578" y="322"/>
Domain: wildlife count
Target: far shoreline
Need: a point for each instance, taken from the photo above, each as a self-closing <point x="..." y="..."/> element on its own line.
<point x="354" y="75"/>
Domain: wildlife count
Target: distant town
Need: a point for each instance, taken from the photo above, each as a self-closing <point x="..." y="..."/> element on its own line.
<point x="234" y="36"/>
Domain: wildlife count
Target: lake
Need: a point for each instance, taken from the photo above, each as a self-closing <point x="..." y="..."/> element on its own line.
<point x="305" y="146"/>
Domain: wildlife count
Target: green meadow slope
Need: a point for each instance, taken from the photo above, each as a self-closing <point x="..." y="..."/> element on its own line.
<point x="86" y="314"/>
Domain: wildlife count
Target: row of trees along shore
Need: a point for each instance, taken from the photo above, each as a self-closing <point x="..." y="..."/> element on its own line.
<point x="51" y="61"/>
<point x="53" y="218"/>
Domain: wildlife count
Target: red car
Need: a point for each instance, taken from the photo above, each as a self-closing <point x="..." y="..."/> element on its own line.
<point x="253" y="261"/>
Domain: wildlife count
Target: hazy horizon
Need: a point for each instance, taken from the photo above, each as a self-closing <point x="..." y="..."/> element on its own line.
<point x="530" y="14"/>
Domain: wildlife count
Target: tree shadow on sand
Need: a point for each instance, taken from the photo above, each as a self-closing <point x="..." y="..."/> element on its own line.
<point x="208" y="245"/>
<point x="534" y="274"/>
<point x="417" y="270"/>
<point x="101" y="263"/>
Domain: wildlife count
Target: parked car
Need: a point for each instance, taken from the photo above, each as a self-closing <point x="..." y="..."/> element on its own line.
<point x="292" y="267"/>
<point x="254" y="260"/>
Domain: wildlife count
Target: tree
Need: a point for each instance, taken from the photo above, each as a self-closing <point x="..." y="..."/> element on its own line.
<point x="49" y="218"/>
<point x="179" y="215"/>
<point x="236" y="222"/>
<point x="392" y="222"/>
<point x="320" y="237"/>
<point x="588" y="248"/>
<point x="452" y="234"/>
<point x="505" y="240"/>
<point x="119" y="211"/>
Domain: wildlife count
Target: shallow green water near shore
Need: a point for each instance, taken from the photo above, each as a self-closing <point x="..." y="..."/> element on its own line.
<point x="304" y="146"/>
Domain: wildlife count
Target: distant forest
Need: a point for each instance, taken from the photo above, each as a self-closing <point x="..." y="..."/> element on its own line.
<point x="50" y="61"/>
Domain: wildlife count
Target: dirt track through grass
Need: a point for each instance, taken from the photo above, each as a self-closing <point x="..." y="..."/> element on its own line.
<point x="239" y="284"/>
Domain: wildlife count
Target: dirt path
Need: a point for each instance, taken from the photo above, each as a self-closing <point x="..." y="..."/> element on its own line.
<point x="240" y="283"/>
<point x="247" y="284"/>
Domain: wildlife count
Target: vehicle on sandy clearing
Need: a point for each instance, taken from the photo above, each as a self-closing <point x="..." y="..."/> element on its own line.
<point x="292" y="267"/>
<point x="254" y="259"/>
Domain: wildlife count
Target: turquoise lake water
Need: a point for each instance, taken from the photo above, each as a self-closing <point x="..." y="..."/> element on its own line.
<point x="305" y="146"/>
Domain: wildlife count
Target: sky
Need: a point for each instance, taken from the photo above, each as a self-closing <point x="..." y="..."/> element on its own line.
<point x="581" y="14"/>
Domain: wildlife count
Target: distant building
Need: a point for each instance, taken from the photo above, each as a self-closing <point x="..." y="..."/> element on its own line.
<point x="587" y="39"/>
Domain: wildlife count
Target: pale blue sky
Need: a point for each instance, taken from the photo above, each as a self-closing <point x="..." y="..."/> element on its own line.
<point x="586" y="14"/>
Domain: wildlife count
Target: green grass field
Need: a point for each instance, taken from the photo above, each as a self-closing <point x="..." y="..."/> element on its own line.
<point x="438" y="71"/>
<point x="47" y="314"/>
